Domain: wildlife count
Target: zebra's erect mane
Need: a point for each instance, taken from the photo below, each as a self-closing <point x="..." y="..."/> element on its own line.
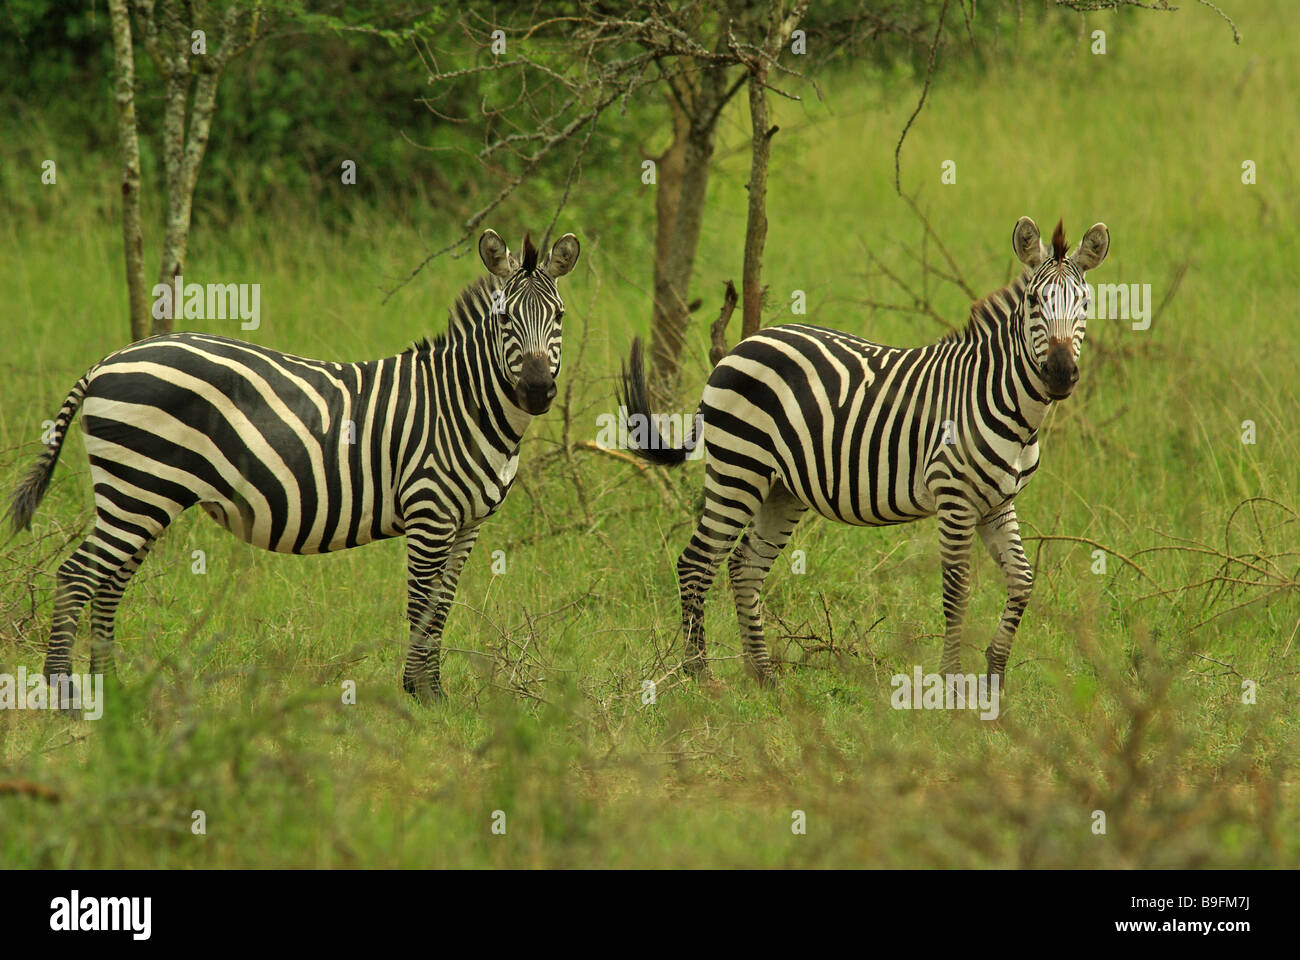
<point x="1059" y="245"/>
<point x="471" y="308"/>
<point x="990" y="312"/>
<point x="530" y="255"/>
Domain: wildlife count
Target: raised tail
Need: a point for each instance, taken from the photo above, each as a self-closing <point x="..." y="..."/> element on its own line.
<point x="642" y="423"/>
<point x="27" y="496"/>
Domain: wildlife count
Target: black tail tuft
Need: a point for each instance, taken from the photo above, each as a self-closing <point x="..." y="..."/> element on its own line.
<point x="27" y="496"/>
<point x="636" y="403"/>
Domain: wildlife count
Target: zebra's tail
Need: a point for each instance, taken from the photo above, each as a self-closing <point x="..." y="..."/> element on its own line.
<point x="636" y="404"/>
<point x="27" y="496"/>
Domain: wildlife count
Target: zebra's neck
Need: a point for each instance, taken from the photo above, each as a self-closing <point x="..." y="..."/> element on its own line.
<point x="1002" y="360"/>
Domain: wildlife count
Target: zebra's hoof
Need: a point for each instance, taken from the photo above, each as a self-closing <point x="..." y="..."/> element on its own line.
<point x="424" y="693"/>
<point x="696" y="669"/>
<point x="63" y="692"/>
<point x="711" y="685"/>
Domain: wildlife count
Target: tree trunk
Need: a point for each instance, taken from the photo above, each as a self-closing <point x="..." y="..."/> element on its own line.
<point x="672" y="284"/>
<point x="668" y="197"/>
<point x="183" y="149"/>
<point x="176" y="85"/>
<point x="780" y="27"/>
<point x="668" y="193"/>
<point x="718" y="332"/>
<point x="128" y="135"/>
<point x="756" y="219"/>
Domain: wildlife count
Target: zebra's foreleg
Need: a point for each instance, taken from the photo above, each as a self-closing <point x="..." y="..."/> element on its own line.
<point x="434" y="560"/>
<point x="956" y="531"/>
<point x="427" y="552"/>
<point x="750" y="564"/>
<point x="1000" y="532"/>
<point x="445" y="594"/>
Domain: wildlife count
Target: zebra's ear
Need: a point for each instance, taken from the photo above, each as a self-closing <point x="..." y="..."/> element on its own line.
<point x="1093" y="247"/>
<point x="564" y="254"/>
<point x="1027" y="243"/>
<point x="495" y="256"/>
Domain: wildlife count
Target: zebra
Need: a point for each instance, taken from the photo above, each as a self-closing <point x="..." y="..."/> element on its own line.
<point x="799" y="418"/>
<point x="309" y="456"/>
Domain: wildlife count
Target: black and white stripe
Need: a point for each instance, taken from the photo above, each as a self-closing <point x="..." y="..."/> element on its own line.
<point x="308" y="456"/>
<point x="798" y="417"/>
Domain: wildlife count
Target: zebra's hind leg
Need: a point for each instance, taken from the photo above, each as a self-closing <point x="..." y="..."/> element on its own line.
<point x="766" y="537"/>
<point x="94" y="567"/>
<point x="729" y="504"/>
<point x="103" y="613"/>
<point x="435" y="558"/>
<point x="1000" y="532"/>
<point x="75" y="583"/>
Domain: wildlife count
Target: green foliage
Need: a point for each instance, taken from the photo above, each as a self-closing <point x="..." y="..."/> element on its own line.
<point x="350" y="82"/>
<point x="320" y="88"/>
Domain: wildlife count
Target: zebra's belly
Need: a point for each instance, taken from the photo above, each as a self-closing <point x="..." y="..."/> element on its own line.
<point x="864" y="518"/>
<point x="867" y="520"/>
<point x="321" y="514"/>
<point x="863" y="504"/>
<point x="290" y="538"/>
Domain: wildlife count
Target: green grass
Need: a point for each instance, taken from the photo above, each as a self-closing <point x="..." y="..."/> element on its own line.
<point x="231" y="701"/>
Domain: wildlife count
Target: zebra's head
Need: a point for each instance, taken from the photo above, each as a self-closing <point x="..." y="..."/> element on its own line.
<point x="527" y="310"/>
<point x="1055" y="303"/>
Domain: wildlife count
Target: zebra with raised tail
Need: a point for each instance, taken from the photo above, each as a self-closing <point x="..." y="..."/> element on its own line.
<point x="798" y="417"/>
<point x="309" y="456"/>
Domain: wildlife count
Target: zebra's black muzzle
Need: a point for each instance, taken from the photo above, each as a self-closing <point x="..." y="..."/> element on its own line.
<point x="1060" y="371"/>
<point x="536" y="387"/>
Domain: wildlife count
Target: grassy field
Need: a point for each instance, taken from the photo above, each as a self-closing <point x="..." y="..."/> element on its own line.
<point x="1126" y="691"/>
